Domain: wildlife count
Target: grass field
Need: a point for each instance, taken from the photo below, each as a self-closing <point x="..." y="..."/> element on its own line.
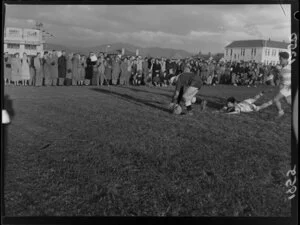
<point x="90" y="151"/>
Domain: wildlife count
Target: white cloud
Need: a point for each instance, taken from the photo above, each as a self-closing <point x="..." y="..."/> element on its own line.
<point x="180" y="26"/>
<point x="196" y="34"/>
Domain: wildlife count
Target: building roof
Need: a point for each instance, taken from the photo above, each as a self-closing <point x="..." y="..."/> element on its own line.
<point x="257" y="43"/>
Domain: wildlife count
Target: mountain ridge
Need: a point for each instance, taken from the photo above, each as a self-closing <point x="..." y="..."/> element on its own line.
<point x="143" y="51"/>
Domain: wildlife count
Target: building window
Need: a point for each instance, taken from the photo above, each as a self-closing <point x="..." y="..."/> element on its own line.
<point x="13" y="46"/>
<point x="230" y="52"/>
<point x="267" y="52"/>
<point x="226" y="52"/>
<point x="254" y="52"/>
<point x="30" y="47"/>
<point x="243" y="52"/>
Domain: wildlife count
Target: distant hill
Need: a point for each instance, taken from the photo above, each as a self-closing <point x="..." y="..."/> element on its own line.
<point x="50" y="46"/>
<point x="150" y="51"/>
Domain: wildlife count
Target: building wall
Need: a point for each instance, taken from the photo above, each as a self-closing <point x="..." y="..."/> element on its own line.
<point x="263" y="55"/>
<point x="22" y="37"/>
<point x="238" y="55"/>
<point x="272" y="58"/>
<point x="21" y="50"/>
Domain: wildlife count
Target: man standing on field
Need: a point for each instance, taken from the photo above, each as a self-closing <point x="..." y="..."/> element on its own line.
<point x="187" y="86"/>
<point x="284" y="85"/>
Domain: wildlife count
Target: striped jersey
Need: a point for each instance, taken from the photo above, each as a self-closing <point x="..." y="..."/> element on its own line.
<point x="245" y="106"/>
<point x="285" y="75"/>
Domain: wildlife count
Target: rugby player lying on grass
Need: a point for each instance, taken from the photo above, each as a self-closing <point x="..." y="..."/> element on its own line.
<point x="187" y="86"/>
<point x="233" y="107"/>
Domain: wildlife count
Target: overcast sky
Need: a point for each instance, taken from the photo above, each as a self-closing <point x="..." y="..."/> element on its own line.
<point x="191" y="27"/>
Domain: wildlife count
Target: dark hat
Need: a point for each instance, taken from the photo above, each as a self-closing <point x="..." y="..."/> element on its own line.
<point x="284" y="55"/>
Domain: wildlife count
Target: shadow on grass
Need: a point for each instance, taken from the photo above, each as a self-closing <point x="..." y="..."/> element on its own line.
<point x="214" y="105"/>
<point x="210" y="103"/>
<point x="132" y="99"/>
<point x="213" y="102"/>
<point x="139" y="90"/>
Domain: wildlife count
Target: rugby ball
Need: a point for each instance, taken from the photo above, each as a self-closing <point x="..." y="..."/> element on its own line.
<point x="194" y="99"/>
<point x="177" y="110"/>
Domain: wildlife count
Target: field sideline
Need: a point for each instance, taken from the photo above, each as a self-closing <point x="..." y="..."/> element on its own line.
<point x="116" y="151"/>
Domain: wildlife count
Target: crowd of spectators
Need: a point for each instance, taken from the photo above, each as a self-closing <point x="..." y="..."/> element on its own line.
<point x="53" y="69"/>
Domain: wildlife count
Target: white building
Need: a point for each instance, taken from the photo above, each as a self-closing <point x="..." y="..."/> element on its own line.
<point x="17" y="40"/>
<point x="261" y="51"/>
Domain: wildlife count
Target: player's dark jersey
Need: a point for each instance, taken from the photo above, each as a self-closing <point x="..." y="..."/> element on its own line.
<point x="188" y="79"/>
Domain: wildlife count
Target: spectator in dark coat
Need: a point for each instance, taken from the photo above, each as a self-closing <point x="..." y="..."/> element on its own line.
<point x="156" y="72"/>
<point x="108" y="69"/>
<point x="69" y="66"/>
<point x="90" y="63"/>
<point x="62" y="68"/>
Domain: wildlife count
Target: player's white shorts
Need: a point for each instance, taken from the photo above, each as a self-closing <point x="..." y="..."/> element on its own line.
<point x="285" y="91"/>
<point x="188" y="95"/>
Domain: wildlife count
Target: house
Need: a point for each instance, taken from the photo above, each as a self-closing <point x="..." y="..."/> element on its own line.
<point x="260" y="51"/>
<point x="18" y="40"/>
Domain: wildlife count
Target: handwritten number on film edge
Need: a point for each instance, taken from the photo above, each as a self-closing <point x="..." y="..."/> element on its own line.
<point x="293" y="46"/>
<point x="291" y="184"/>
